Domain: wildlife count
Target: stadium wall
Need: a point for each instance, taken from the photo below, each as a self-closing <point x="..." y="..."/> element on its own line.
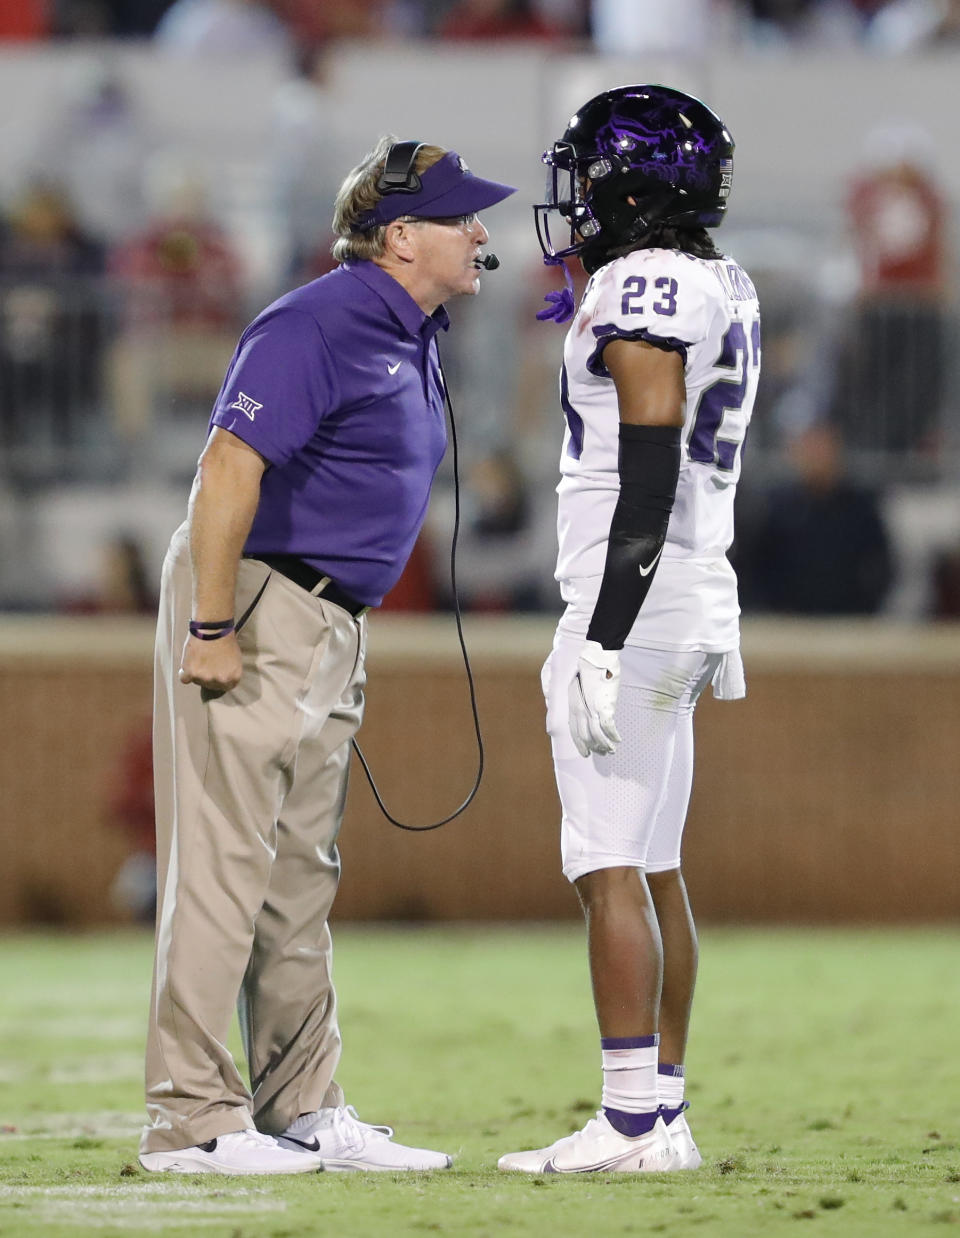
<point x="829" y="795"/>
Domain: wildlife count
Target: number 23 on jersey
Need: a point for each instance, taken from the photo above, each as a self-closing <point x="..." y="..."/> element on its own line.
<point x="718" y="425"/>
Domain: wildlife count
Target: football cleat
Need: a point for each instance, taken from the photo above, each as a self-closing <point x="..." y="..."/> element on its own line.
<point x="599" y="1148"/>
<point x="239" y="1152"/>
<point x="688" y="1153"/>
<point x="346" y="1143"/>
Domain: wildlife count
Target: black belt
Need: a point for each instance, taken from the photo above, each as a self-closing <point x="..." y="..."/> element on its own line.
<point x="314" y="582"/>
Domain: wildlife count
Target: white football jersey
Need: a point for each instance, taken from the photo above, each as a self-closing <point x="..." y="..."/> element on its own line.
<point x="706" y="310"/>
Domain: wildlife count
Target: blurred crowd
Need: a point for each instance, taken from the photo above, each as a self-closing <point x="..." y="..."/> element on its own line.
<point x="95" y="324"/>
<point x="123" y="288"/>
<point x="298" y="28"/>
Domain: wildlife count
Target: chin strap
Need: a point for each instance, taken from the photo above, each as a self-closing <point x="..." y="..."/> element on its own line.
<point x="561" y="304"/>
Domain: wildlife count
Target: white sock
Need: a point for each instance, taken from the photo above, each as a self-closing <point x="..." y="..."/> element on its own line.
<point x="670" y="1084"/>
<point x="629" y="1079"/>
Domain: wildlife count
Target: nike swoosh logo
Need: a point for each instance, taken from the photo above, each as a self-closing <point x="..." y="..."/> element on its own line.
<point x="392" y="369"/>
<point x="645" y="571"/>
<point x="549" y="1167"/>
<point x="311" y="1145"/>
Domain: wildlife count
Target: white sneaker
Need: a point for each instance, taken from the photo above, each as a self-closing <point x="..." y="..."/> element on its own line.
<point x="688" y="1153"/>
<point x="598" y="1148"/>
<point x="344" y="1142"/>
<point x="240" y="1152"/>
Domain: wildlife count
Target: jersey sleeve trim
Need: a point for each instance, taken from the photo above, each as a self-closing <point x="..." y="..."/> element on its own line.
<point x="608" y="331"/>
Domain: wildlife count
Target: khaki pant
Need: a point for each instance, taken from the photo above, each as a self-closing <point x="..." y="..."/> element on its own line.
<point x="250" y="789"/>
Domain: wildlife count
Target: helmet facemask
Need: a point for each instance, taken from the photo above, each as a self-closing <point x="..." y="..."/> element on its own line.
<point x="566" y="193"/>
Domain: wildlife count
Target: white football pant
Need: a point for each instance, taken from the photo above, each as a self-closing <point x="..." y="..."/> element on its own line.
<point x="627" y="809"/>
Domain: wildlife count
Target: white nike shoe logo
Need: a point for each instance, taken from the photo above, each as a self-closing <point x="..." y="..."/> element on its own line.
<point x="645" y="571"/>
<point x="392" y="369"/>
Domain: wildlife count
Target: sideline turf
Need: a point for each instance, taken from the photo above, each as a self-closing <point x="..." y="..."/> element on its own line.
<point x="822" y="1073"/>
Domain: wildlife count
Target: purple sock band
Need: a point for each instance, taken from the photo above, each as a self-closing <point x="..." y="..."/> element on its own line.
<point x="631" y="1124"/>
<point x="666" y="1069"/>
<point x="629" y="1042"/>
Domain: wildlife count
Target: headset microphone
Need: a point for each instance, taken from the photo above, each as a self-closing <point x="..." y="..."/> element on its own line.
<point x="489" y="262"/>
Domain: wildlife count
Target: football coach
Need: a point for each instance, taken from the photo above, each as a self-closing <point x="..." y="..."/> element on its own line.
<point x="307" y="501"/>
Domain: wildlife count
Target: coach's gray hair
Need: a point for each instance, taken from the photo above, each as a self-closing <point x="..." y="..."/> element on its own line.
<point x="359" y="194"/>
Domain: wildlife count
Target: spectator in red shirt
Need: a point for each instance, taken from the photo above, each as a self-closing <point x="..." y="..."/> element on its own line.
<point x="315" y="26"/>
<point x="496" y="19"/>
<point x="182" y="270"/>
<point x="181" y="296"/>
<point x="24" y="20"/>
<point x="892" y="373"/>
<point x="899" y="232"/>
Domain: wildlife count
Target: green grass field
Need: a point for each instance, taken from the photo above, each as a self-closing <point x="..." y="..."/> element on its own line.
<point x="823" y="1077"/>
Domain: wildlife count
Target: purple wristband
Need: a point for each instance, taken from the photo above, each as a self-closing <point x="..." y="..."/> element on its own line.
<point x="212" y="630"/>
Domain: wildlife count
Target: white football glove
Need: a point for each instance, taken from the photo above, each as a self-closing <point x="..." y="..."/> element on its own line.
<point x="593" y="700"/>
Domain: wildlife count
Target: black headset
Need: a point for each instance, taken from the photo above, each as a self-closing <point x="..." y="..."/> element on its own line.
<point x="399" y="174"/>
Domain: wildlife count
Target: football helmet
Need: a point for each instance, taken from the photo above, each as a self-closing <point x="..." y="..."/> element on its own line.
<point x="632" y="158"/>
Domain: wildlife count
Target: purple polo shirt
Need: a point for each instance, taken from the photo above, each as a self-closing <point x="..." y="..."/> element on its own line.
<point x="337" y="384"/>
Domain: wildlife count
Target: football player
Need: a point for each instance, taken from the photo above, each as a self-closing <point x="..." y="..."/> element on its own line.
<point x="660" y="368"/>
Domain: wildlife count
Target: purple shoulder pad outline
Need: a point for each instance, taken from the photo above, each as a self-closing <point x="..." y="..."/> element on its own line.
<point x="610" y="331"/>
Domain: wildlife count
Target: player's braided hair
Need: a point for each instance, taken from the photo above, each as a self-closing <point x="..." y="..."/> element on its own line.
<point x="359" y="194"/>
<point x="694" y="241"/>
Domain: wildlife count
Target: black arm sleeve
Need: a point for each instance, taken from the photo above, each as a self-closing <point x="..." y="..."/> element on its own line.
<point x="649" y="469"/>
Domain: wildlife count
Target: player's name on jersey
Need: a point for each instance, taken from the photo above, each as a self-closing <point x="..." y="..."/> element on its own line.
<point x="736" y="282"/>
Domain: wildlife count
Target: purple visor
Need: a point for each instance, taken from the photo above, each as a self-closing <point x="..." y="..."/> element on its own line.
<point x="447" y="189"/>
